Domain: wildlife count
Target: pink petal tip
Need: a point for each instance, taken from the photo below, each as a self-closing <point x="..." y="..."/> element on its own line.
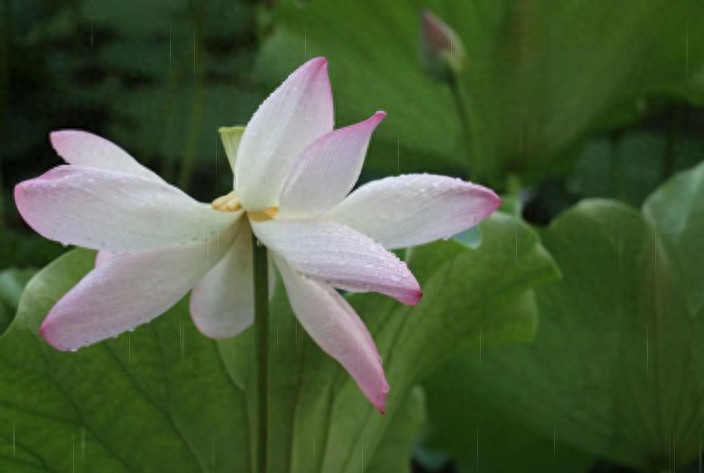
<point x="418" y="297"/>
<point x="380" y="114"/>
<point x="317" y="62"/>
<point x="46" y="332"/>
<point x="380" y="401"/>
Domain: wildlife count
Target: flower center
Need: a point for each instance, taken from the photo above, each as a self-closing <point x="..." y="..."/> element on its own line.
<point x="266" y="214"/>
<point x="230" y="203"/>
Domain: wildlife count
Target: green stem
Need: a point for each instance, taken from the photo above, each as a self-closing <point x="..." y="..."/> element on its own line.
<point x="261" y="328"/>
<point x="470" y="142"/>
<point x="672" y="136"/>
<point x="513" y="186"/>
<point x="513" y="192"/>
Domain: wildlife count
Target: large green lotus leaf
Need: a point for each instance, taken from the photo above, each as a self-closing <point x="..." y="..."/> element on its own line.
<point x="480" y="438"/>
<point x="395" y="449"/>
<point x="677" y="212"/>
<point x="165" y="398"/>
<point x="539" y="75"/>
<point x="616" y="367"/>
<point x="152" y="400"/>
<point x="12" y="282"/>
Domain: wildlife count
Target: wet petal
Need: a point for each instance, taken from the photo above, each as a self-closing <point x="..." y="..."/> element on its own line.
<point x="86" y="149"/>
<point x="293" y="116"/>
<point x="102" y="209"/>
<point x="222" y="303"/>
<point x="124" y="292"/>
<point x="340" y="256"/>
<point x="338" y="330"/>
<point x="414" y="209"/>
<point x="327" y="170"/>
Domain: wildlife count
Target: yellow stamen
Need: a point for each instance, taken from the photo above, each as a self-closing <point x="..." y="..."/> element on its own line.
<point x="227" y="203"/>
<point x="266" y="214"/>
<point x="230" y="203"/>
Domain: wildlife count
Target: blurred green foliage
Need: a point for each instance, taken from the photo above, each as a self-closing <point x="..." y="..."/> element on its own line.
<point x="481" y="437"/>
<point x="616" y="367"/>
<point x="540" y="75"/>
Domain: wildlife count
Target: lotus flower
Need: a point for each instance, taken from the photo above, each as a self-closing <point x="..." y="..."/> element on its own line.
<point x="293" y="174"/>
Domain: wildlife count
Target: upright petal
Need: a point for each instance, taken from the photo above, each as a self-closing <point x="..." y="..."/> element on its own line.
<point x="124" y="292"/>
<point x="338" y="330"/>
<point x="222" y="303"/>
<point x="340" y="256"/>
<point x="414" y="209"/>
<point x="102" y="209"/>
<point x="327" y="170"/>
<point x="86" y="149"/>
<point x="294" y="115"/>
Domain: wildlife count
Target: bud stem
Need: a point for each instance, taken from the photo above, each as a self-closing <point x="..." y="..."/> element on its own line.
<point x="470" y="140"/>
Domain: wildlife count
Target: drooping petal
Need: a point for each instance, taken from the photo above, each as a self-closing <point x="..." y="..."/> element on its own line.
<point x="340" y="256"/>
<point x="293" y="116"/>
<point x="102" y="209"/>
<point x="126" y="291"/>
<point x="327" y="170"/>
<point x="86" y="149"/>
<point x="222" y="303"/>
<point x="414" y="209"/>
<point x="338" y="330"/>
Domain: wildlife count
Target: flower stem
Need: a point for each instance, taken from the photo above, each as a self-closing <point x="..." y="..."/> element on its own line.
<point x="261" y="329"/>
<point x="470" y="141"/>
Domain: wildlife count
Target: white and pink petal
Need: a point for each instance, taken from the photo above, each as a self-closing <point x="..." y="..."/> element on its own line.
<point x="86" y="149"/>
<point x="299" y="111"/>
<point x="124" y="292"/>
<point x="102" y="209"/>
<point x="340" y="256"/>
<point x="327" y="170"/>
<point x="414" y="209"/>
<point x="222" y="303"/>
<point x="337" y="329"/>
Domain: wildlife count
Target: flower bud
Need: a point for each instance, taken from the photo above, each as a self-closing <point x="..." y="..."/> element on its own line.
<point x="441" y="50"/>
<point x="231" y="137"/>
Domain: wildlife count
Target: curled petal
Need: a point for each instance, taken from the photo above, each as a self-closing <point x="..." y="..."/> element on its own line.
<point x="414" y="209"/>
<point x="101" y="209"/>
<point x="294" y="115"/>
<point x="126" y="291"/>
<point x="327" y="170"/>
<point x="86" y="149"/>
<point x="338" y="330"/>
<point x="340" y="256"/>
